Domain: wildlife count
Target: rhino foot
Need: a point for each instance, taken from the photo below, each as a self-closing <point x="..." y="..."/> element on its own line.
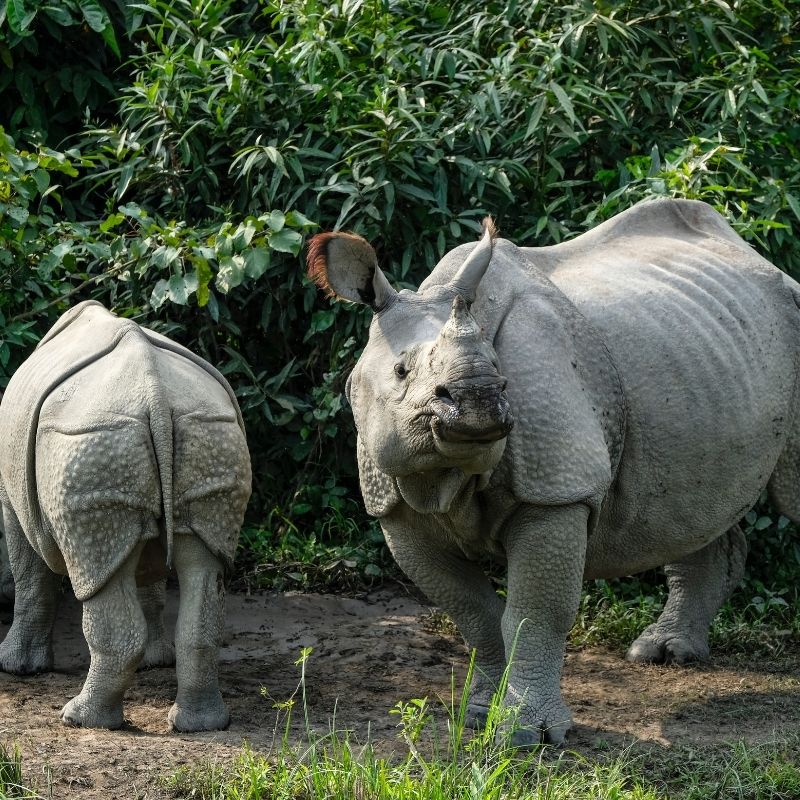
<point x="24" y="660"/>
<point x="80" y="712"/>
<point x="210" y="716"/>
<point x="548" y="724"/>
<point x="476" y="716"/>
<point x="160" y="653"/>
<point x="663" y="647"/>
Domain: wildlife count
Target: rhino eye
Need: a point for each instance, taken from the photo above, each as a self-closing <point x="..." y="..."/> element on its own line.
<point x="400" y="370"/>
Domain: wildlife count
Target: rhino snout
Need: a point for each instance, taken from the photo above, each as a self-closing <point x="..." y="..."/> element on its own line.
<point x="472" y="415"/>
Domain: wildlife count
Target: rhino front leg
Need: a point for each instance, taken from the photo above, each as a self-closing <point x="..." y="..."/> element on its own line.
<point x="159" y="651"/>
<point x="698" y="585"/>
<point x="28" y="646"/>
<point x="461" y="588"/>
<point x="546" y="550"/>
<point x="198" y="636"/>
<point x="116" y="632"/>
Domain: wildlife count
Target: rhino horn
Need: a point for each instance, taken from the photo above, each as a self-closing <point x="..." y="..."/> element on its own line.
<point x="469" y="275"/>
<point x="461" y="325"/>
<point x="345" y="266"/>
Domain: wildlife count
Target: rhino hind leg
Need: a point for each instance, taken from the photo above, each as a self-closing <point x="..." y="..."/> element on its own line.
<point x="28" y="646"/>
<point x="698" y="585"/>
<point x="116" y="632"/>
<point x="6" y="578"/>
<point x="198" y="635"/>
<point x="784" y="483"/>
<point x="159" y="651"/>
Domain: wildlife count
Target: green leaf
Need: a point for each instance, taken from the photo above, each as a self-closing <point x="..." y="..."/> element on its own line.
<point x="294" y="219"/>
<point x="110" y="38"/>
<point x="19" y="16"/>
<point x="132" y="210"/>
<point x="204" y="275"/>
<point x="794" y="204"/>
<point x="125" y="175"/>
<point x="564" y="102"/>
<point x="231" y="273"/>
<point x="59" y="14"/>
<point x="243" y="236"/>
<point x="256" y="262"/>
<point x="42" y="179"/>
<point x="18" y="214"/>
<point x="286" y="241"/>
<point x="177" y="290"/>
<point x="276" y="220"/>
<point x="111" y="222"/>
<point x="759" y="90"/>
<point x="159" y="294"/>
<point x="95" y="16"/>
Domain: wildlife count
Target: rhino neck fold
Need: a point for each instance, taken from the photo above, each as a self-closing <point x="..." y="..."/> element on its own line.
<point x="434" y="492"/>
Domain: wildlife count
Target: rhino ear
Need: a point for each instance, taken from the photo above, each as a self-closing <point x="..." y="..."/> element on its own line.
<point x="379" y="489"/>
<point x="345" y="266"/>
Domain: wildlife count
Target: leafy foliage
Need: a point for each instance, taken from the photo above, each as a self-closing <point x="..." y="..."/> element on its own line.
<point x="184" y="202"/>
<point x="49" y="95"/>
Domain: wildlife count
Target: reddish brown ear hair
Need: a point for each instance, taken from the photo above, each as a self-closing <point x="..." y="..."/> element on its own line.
<point x="317" y="261"/>
<point x="345" y="266"/>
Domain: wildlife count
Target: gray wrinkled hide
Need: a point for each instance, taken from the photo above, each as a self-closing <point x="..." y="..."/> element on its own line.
<point x="6" y="578"/>
<point x="121" y="451"/>
<point x="651" y="368"/>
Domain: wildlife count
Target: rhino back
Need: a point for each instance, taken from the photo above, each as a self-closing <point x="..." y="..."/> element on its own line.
<point x="704" y="334"/>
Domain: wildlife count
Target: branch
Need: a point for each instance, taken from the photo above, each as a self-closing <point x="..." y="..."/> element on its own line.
<point x="72" y="292"/>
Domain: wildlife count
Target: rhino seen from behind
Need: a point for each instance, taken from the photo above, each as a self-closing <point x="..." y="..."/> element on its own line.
<point x="121" y="452"/>
<point x="591" y="409"/>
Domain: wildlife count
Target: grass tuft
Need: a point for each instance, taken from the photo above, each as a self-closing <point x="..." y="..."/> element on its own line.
<point x="12" y="782"/>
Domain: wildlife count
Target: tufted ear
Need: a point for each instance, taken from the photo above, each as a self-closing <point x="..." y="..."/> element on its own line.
<point x="345" y="266"/>
<point x="379" y="489"/>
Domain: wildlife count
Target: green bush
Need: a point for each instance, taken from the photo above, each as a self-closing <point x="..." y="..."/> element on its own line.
<point x="58" y="63"/>
<point x="183" y="203"/>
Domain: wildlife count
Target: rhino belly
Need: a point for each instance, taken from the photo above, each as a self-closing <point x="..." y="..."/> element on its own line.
<point x="707" y="354"/>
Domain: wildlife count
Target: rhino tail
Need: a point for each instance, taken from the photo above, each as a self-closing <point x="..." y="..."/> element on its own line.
<point x="163" y="441"/>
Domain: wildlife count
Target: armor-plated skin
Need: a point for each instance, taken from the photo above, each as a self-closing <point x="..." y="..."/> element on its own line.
<point x="651" y="368"/>
<point x="121" y="453"/>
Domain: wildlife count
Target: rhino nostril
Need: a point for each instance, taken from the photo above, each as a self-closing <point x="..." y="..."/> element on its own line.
<point x="442" y="393"/>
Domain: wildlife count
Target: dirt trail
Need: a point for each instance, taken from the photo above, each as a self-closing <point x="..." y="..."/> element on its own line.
<point x="368" y="653"/>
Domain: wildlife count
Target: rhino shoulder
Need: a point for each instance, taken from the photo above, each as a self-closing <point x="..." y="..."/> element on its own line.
<point x="567" y="398"/>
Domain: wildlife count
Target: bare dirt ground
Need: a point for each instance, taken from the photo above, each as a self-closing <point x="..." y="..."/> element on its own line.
<point x="368" y="653"/>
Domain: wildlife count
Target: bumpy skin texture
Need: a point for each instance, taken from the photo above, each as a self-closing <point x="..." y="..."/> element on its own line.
<point x="6" y="578"/>
<point x="120" y="451"/>
<point x="651" y="368"/>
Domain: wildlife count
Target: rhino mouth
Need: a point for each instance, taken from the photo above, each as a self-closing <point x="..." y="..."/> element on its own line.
<point x="485" y="424"/>
<point x="458" y="435"/>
